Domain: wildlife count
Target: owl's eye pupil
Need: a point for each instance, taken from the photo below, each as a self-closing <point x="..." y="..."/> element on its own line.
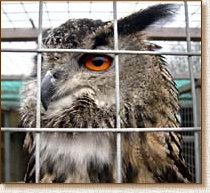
<point x="96" y="62"/>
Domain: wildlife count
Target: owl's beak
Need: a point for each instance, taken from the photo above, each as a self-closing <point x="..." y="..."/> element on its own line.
<point x="47" y="89"/>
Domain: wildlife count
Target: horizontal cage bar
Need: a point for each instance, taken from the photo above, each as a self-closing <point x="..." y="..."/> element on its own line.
<point x="114" y="130"/>
<point x="102" y="51"/>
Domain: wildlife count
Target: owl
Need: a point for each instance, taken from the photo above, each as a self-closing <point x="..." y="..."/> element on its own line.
<point x="78" y="91"/>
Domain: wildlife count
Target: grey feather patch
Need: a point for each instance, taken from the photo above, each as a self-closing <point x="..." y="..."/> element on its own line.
<point x="47" y="89"/>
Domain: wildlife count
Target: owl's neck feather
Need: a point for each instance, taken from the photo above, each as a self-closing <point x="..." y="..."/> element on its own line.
<point x="79" y="151"/>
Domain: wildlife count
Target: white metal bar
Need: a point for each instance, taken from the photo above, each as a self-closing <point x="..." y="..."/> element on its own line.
<point x="114" y="130"/>
<point x="197" y="139"/>
<point x="41" y="50"/>
<point x="37" y="158"/>
<point x="38" y="116"/>
<point x="117" y="96"/>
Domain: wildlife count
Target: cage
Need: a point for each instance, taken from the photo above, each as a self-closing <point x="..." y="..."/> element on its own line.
<point x="20" y="29"/>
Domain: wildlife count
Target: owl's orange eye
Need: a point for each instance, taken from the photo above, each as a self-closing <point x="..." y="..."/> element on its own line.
<point x="97" y="62"/>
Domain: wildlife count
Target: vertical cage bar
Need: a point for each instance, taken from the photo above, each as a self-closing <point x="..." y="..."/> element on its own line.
<point x="117" y="94"/>
<point x="38" y="118"/>
<point x="195" y="120"/>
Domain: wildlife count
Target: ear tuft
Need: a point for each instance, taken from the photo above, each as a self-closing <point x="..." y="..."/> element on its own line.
<point x="144" y="18"/>
<point x="135" y="22"/>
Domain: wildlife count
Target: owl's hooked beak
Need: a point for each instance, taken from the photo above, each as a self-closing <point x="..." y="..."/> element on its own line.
<point x="47" y="89"/>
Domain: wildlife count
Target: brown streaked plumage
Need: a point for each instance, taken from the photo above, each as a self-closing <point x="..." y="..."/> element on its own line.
<point x="78" y="91"/>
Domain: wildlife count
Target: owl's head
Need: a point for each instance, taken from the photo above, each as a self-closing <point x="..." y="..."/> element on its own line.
<point x="145" y="83"/>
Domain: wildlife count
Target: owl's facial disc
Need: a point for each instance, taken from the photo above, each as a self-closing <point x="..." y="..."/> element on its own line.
<point x="96" y="63"/>
<point x="47" y="89"/>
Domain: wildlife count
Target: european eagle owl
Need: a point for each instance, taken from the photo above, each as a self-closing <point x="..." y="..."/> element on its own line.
<point x="78" y="91"/>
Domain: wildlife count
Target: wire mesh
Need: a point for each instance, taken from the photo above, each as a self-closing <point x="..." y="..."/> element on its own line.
<point x="188" y="144"/>
<point x="189" y="125"/>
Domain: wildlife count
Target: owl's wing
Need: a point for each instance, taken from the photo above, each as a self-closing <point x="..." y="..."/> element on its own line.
<point x="180" y="168"/>
<point x="153" y="156"/>
<point x="30" y="147"/>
